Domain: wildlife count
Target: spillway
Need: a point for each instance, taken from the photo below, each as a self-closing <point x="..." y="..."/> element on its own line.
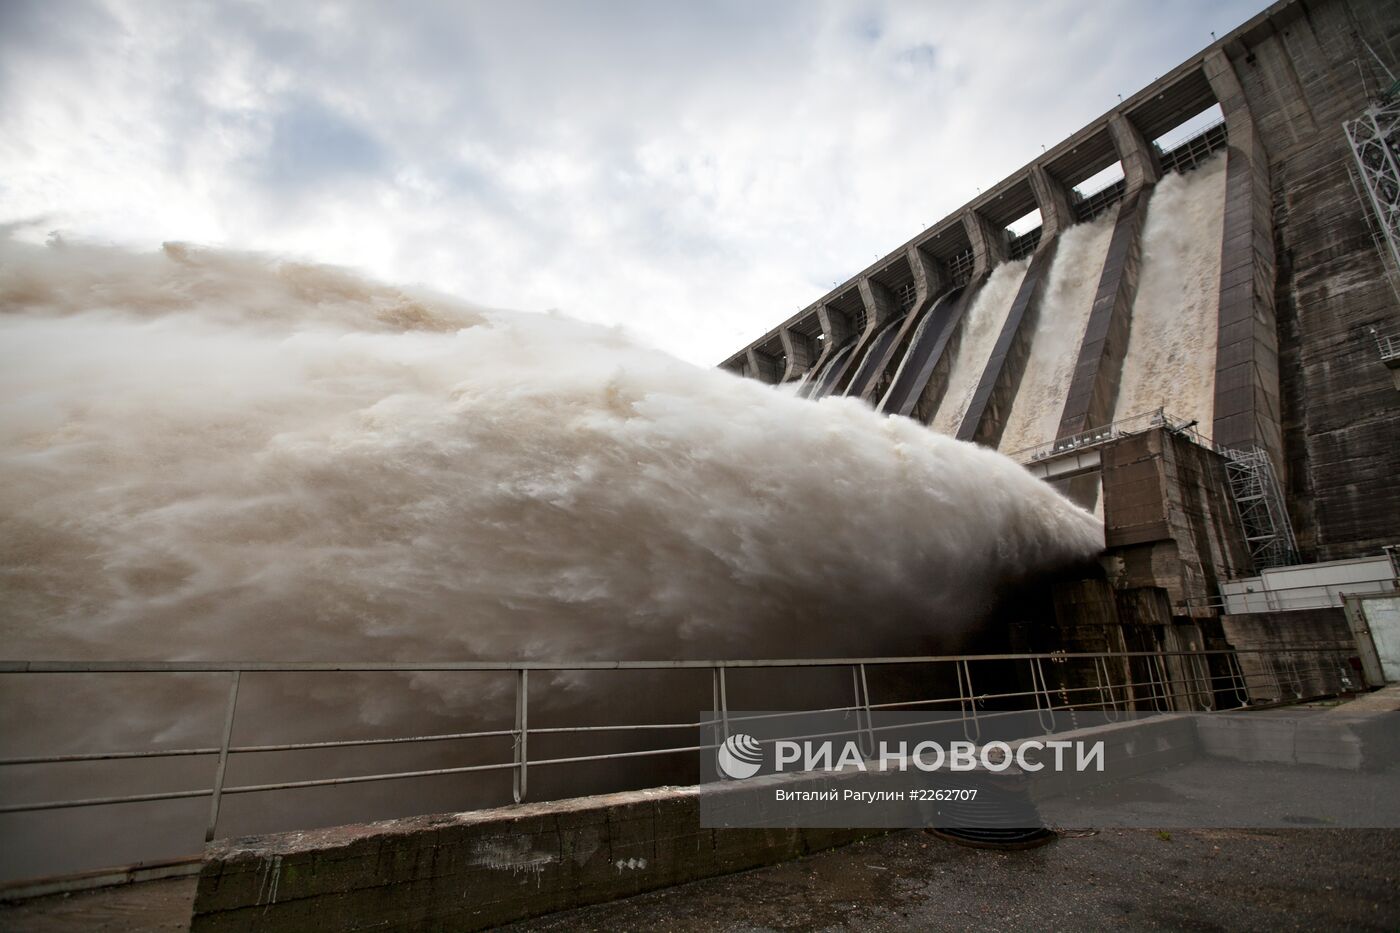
<point x="825" y="381"/>
<point x="980" y="331"/>
<point x="871" y="364"/>
<point x="1074" y="278"/>
<point x="919" y="360"/>
<point x="1170" y="359"/>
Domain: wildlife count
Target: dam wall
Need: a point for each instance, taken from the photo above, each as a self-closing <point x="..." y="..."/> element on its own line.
<point x="1242" y="289"/>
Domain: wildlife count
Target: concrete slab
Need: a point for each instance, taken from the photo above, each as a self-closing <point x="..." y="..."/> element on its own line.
<point x="1119" y="879"/>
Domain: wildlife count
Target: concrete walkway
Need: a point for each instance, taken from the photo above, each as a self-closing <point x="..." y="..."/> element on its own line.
<point x="1316" y="879"/>
<point x="148" y="905"/>
<point x="1275" y="880"/>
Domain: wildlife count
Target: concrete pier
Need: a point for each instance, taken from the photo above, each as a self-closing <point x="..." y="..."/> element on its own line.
<point x="1093" y="393"/>
<point x="986" y="416"/>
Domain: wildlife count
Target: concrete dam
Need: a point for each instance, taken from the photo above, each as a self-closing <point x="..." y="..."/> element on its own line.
<point x="1207" y="249"/>
<point x="1184" y="317"/>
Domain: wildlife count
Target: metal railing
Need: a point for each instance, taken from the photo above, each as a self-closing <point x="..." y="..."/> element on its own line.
<point x="1231" y="600"/>
<point x="1387" y="345"/>
<point x="1094" y="437"/>
<point x="1091" y="205"/>
<point x="960" y="267"/>
<point x="1191" y="153"/>
<point x="1109" y="681"/>
<point x="1019" y="247"/>
<point x="906" y="295"/>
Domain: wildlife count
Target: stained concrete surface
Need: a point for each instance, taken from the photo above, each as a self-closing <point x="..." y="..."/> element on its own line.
<point x="1292" y="879"/>
<point x="1318" y="879"/>
<point x="1305" y="878"/>
<point x="149" y="905"/>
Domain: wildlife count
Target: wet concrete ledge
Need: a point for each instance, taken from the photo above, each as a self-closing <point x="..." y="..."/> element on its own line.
<point x="484" y="868"/>
<point x="471" y="871"/>
<point x="480" y="869"/>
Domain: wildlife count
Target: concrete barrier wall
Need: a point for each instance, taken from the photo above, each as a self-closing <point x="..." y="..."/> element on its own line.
<point x="471" y="871"/>
<point x="1131" y="749"/>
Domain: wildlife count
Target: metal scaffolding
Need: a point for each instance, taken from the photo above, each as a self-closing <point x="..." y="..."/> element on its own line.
<point x="1375" y="144"/>
<point x="1259" y="500"/>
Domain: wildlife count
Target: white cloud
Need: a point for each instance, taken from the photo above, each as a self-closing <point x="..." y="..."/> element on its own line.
<point x="693" y="172"/>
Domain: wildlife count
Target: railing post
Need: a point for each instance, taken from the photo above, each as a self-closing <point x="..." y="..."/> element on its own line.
<point x="1164" y="678"/>
<point x="862" y="691"/>
<point x="1238" y="683"/>
<point x="223" y="758"/>
<point x="967" y="701"/>
<point x="1108" y="700"/>
<point x="1042" y="690"/>
<point x="522" y="733"/>
<point x="1278" y="684"/>
<point x="1205" y="685"/>
<point x="723" y="705"/>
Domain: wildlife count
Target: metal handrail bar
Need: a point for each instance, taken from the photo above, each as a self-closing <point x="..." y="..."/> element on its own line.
<point x="104" y="801"/>
<point x="1178" y="140"/>
<point x="417" y="667"/>
<point x="1162" y="692"/>
<point x="1093" y="437"/>
<point x="1217" y="601"/>
<point x="111" y="756"/>
<point x="338" y="743"/>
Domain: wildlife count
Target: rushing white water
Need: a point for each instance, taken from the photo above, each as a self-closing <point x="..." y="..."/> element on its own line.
<point x="979" y="336"/>
<point x="1064" y="313"/>
<point x="1170" y="360"/>
<point x="206" y="454"/>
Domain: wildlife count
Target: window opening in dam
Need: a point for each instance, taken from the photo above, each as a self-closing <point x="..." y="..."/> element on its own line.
<point x="1195" y="150"/>
<point x="906" y="295"/>
<point x="1100" y="201"/>
<point x="1098" y="181"/>
<point x="1024" y="224"/>
<point x="960" y="267"/>
<point x="1100" y="191"/>
<point x="1020" y="247"/>
<point x="1023" y="235"/>
<point x="1189" y="128"/>
<point x="1192" y="142"/>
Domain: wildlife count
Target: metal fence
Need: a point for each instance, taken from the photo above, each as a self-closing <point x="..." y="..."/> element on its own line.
<point x="1194" y="151"/>
<point x="1091" y="205"/>
<point x="1057" y="681"/>
<point x="1097" y="437"/>
<point x="960" y="267"/>
<point x="1387" y="344"/>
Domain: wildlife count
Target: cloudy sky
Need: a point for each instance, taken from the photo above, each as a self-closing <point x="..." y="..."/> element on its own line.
<point x="693" y="171"/>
